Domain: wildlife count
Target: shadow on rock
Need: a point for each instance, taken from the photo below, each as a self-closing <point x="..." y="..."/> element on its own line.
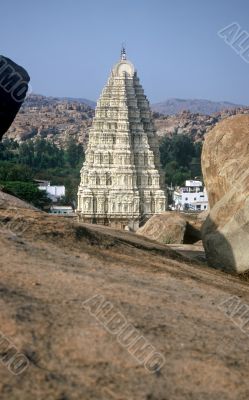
<point x="219" y="253"/>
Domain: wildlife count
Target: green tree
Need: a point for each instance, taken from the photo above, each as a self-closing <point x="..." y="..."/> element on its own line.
<point x="42" y="159"/>
<point x="180" y="158"/>
<point x="176" y="174"/>
<point x="179" y="148"/>
<point x="74" y="153"/>
<point x="26" y="154"/>
<point x="8" y="149"/>
<point x="10" y="171"/>
<point x="28" y="191"/>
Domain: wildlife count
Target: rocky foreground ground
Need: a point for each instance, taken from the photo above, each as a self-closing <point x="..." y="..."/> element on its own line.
<point x="50" y="266"/>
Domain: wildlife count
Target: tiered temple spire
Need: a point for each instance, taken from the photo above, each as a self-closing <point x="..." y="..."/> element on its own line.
<point x="121" y="184"/>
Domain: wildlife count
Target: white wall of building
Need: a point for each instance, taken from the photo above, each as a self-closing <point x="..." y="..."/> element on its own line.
<point x="61" y="210"/>
<point x="54" y="192"/>
<point x="192" y="197"/>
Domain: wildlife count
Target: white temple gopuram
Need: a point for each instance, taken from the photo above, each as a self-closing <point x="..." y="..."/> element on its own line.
<point x="121" y="182"/>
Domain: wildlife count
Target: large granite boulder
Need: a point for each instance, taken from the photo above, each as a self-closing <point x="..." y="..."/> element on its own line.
<point x="172" y="228"/>
<point x="225" y="166"/>
<point x="13" y="89"/>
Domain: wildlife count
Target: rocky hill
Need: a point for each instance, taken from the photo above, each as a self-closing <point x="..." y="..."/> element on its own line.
<point x="53" y="119"/>
<point x="38" y="100"/>
<point x="190" y="124"/>
<point x="58" y="119"/>
<point x="196" y="106"/>
<point x="50" y="266"/>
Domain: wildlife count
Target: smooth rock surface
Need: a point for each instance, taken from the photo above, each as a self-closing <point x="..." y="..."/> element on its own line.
<point x="225" y="165"/>
<point x="172" y="228"/>
<point x="49" y="269"/>
<point x="9" y="201"/>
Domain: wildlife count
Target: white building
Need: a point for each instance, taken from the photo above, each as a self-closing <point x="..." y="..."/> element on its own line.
<point x="191" y="197"/>
<point x="61" y="210"/>
<point x="54" y="192"/>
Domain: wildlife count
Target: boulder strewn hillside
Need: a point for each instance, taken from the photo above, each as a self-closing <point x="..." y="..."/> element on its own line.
<point x="51" y="118"/>
<point x="190" y="124"/>
<point x="60" y="118"/>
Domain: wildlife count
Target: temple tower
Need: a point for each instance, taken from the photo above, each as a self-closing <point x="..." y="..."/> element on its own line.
<point x="121" y="182"/>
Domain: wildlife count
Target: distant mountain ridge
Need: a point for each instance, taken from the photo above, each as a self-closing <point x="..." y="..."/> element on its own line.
<point x="39" y="100"/>
<point x="90" y="103"/>
<point x="197" y="106"/>
<point x="170" y="106"/>
<point x="58" y="119"/>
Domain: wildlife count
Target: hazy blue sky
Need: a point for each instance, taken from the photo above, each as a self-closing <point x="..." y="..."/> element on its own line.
<point x="69" y="46"/>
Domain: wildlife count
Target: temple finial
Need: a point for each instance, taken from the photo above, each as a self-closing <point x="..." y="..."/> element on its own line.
<point x="123" y="52"/>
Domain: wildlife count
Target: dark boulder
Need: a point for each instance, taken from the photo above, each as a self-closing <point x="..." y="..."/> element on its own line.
<point x="13" y="89"/>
